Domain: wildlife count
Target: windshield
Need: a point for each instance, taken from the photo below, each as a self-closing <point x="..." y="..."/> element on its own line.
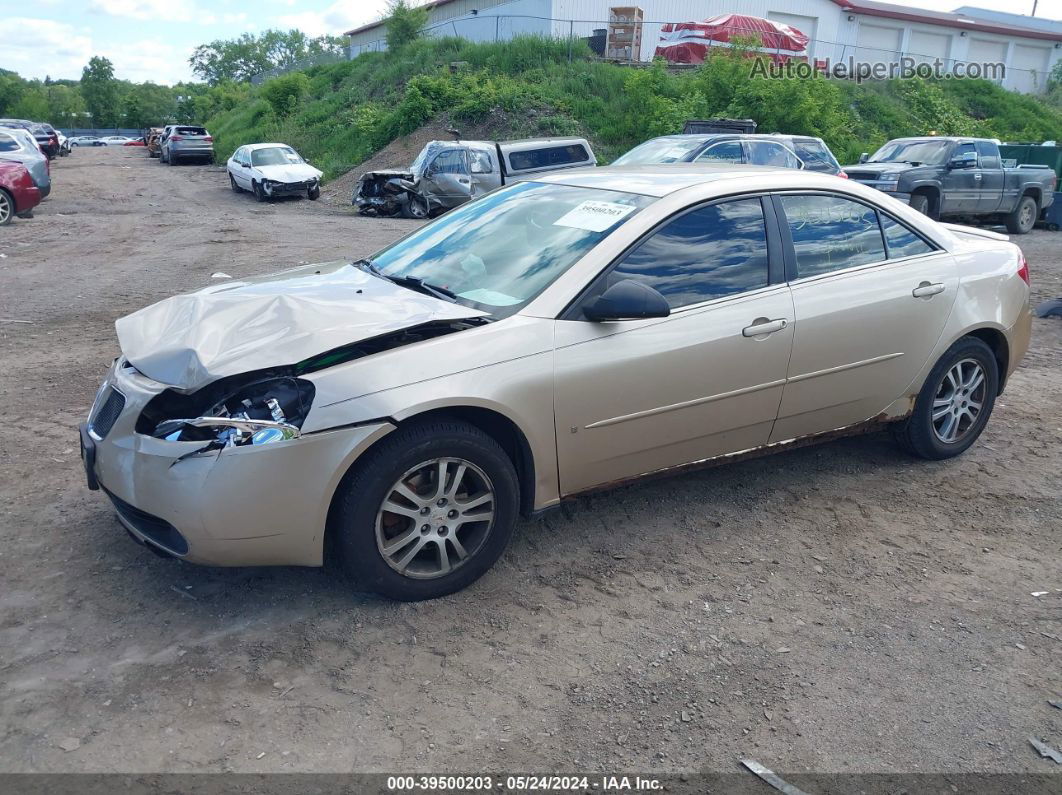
<point x="275" y="156"/>
<point x="499" y="252"/>
<point x="660" y="150"/>
<point x="929" y="152"/>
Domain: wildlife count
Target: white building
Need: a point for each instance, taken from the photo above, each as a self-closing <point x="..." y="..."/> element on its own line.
<point x="864" y="30"/>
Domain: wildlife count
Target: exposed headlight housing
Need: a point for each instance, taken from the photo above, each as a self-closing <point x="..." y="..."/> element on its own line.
<point x="888" y="185"/>
<point x="231" y="412"/>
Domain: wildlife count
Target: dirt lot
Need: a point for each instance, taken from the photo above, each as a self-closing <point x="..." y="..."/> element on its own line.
<point x="836" y="608"/>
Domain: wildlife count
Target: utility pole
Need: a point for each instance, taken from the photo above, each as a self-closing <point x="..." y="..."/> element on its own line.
<point x="1035" y="3"/>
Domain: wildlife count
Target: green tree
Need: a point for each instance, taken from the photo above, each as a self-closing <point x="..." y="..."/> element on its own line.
<point x="101" y="91"/>
<point x="32" y="104"/>
<point x="66" y="108"/>
<point x="242" y="58"/>
<point x="404" y="23"/>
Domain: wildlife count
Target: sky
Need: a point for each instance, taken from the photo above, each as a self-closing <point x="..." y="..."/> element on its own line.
<point x="153" y="39"/>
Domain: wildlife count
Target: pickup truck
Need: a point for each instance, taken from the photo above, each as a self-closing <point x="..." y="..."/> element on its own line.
<point x="958" y="177"/>
<point x="449" y="173"/>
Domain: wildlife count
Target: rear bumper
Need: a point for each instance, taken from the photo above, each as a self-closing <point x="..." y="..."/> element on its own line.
<point x="26" y="199"/>
<point x="189" y="151"/>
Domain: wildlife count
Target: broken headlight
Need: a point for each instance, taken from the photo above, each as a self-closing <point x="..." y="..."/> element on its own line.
<point x="261" y="412"/>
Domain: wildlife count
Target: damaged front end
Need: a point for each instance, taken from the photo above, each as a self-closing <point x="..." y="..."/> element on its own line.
<point x="384" y="193"/>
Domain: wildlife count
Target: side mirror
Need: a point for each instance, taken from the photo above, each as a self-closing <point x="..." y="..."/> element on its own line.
<point x="627" y="300"/>
<point x="864" y="157"/>
<point x="965" y="160"/>
<point x="245" y="165"/>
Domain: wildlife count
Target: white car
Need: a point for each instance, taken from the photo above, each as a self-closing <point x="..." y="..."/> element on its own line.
<point x="84" y="140"/>
<point x="271" y="170"/>
<point x="114" y="140"/>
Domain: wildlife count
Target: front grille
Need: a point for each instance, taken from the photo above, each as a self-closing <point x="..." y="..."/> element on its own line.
<point x="151" y="527"/>
<point x="867" y="175"/>
<point x="108" y="412"/>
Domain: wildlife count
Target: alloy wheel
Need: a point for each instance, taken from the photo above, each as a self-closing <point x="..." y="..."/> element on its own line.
<point x="1025" y="218"/>
<point x="958" y="402"/>
<point x="7" y="208"/>
<point x="435" y="518"/>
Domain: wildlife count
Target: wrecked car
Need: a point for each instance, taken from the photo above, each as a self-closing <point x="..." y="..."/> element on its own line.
<point x="561" y="335"/>
<point x="270" y="171"/>
<point x="153" y="141"/>
<point x="447" y="174"/>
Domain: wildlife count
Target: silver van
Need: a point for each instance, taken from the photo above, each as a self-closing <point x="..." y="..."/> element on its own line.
<point x="449" y="173"/>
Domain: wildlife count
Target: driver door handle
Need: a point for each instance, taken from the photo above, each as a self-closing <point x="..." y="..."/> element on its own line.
<point x="762" y="326"/>
<point x="927" y="290"/>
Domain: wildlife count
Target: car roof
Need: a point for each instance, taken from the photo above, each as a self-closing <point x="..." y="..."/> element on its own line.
<point x="254" y="147"/>
<point x="661" y="179"/>
<point x="729" y="135"/>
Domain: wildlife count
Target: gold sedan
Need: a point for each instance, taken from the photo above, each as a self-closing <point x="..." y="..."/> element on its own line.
<point x="556" y="336"/>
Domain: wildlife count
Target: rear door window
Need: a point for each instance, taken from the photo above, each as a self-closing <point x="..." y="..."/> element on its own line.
<point x="724" y="152"/>
<point x="831" y="233"/>
<point x="8" y="144"/>
<point x="772" y="153"/>
<point x="710" y="252"/>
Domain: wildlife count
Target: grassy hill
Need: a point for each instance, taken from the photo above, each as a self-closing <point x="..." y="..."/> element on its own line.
<point x="338" y="115"/>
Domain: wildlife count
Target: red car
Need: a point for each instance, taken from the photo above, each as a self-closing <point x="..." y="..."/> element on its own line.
<point x="18" y="194"/>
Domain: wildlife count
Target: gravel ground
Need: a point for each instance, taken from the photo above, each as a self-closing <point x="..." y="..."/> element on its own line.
<point x="836" y="608"/>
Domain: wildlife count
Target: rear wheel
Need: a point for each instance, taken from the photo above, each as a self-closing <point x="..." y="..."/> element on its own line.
<point x="427" y="512"/>
<point x="232" y="184"/>
<point x="1023" y="218"/>
<point x="172" y="159"/>
<point x="7" y="207"/>
<point x="955" y="402"/>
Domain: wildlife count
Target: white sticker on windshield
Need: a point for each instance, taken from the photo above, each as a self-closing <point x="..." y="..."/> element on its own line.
<point x="594" y="216"/>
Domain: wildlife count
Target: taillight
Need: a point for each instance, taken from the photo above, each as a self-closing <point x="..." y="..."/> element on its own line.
<point x="209" y="139"/>
<point x="1023" y="271"/>
<point x="176" y="137"/>
<point x="842" y="175"/>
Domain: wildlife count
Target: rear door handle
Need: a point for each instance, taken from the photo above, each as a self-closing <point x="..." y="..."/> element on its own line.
<point x="927" y="290"/>
<point x="762" y="326"/>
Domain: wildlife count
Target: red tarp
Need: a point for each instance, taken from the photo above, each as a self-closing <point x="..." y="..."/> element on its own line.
<point x="689" y="42"/>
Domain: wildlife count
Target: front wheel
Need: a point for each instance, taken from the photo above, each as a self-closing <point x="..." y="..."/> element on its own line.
<point x="920" y="202"/>
<point x="416" y="207"/>
<point x="955" y="402"/>
<point x="1023" y="218"/>
<point x="259" y="193"/>
<point x="314" y="193"/>
<point x="427" y="512"/>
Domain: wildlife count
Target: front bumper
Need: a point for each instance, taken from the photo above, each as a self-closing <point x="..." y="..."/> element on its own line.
<point x="289" y="188"/>
<point x="241" y="506"/>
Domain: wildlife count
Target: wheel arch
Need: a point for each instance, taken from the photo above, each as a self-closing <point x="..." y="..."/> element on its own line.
<point x="995" y="339"/>
<point x="932" y="192"/>
<point x="498" y="426"/>
<point x="1035" y="193"/>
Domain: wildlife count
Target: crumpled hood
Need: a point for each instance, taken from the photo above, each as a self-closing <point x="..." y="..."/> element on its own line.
<point x="387" y="173"/>
<point x="235" y="327"/>
<point x="291" y="172"/>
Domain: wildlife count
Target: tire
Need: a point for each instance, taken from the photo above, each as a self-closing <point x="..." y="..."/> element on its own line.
<point x="232" y="184"/>
<point x="416" y="208"/>
<point x="919" y="434"/>
<point x="259" y="194"/>
<point x="361" y="529"/>
<point x="314" y="193"/>
<point x="7" y="207"/>
<point x="1022" y="220"/>
<point x="921" y="203"/>
<point x="171" y="159"/>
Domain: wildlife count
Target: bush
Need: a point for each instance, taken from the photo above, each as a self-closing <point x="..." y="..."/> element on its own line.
<point x="404" y="23"/>
<point x="284" y="93"/>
